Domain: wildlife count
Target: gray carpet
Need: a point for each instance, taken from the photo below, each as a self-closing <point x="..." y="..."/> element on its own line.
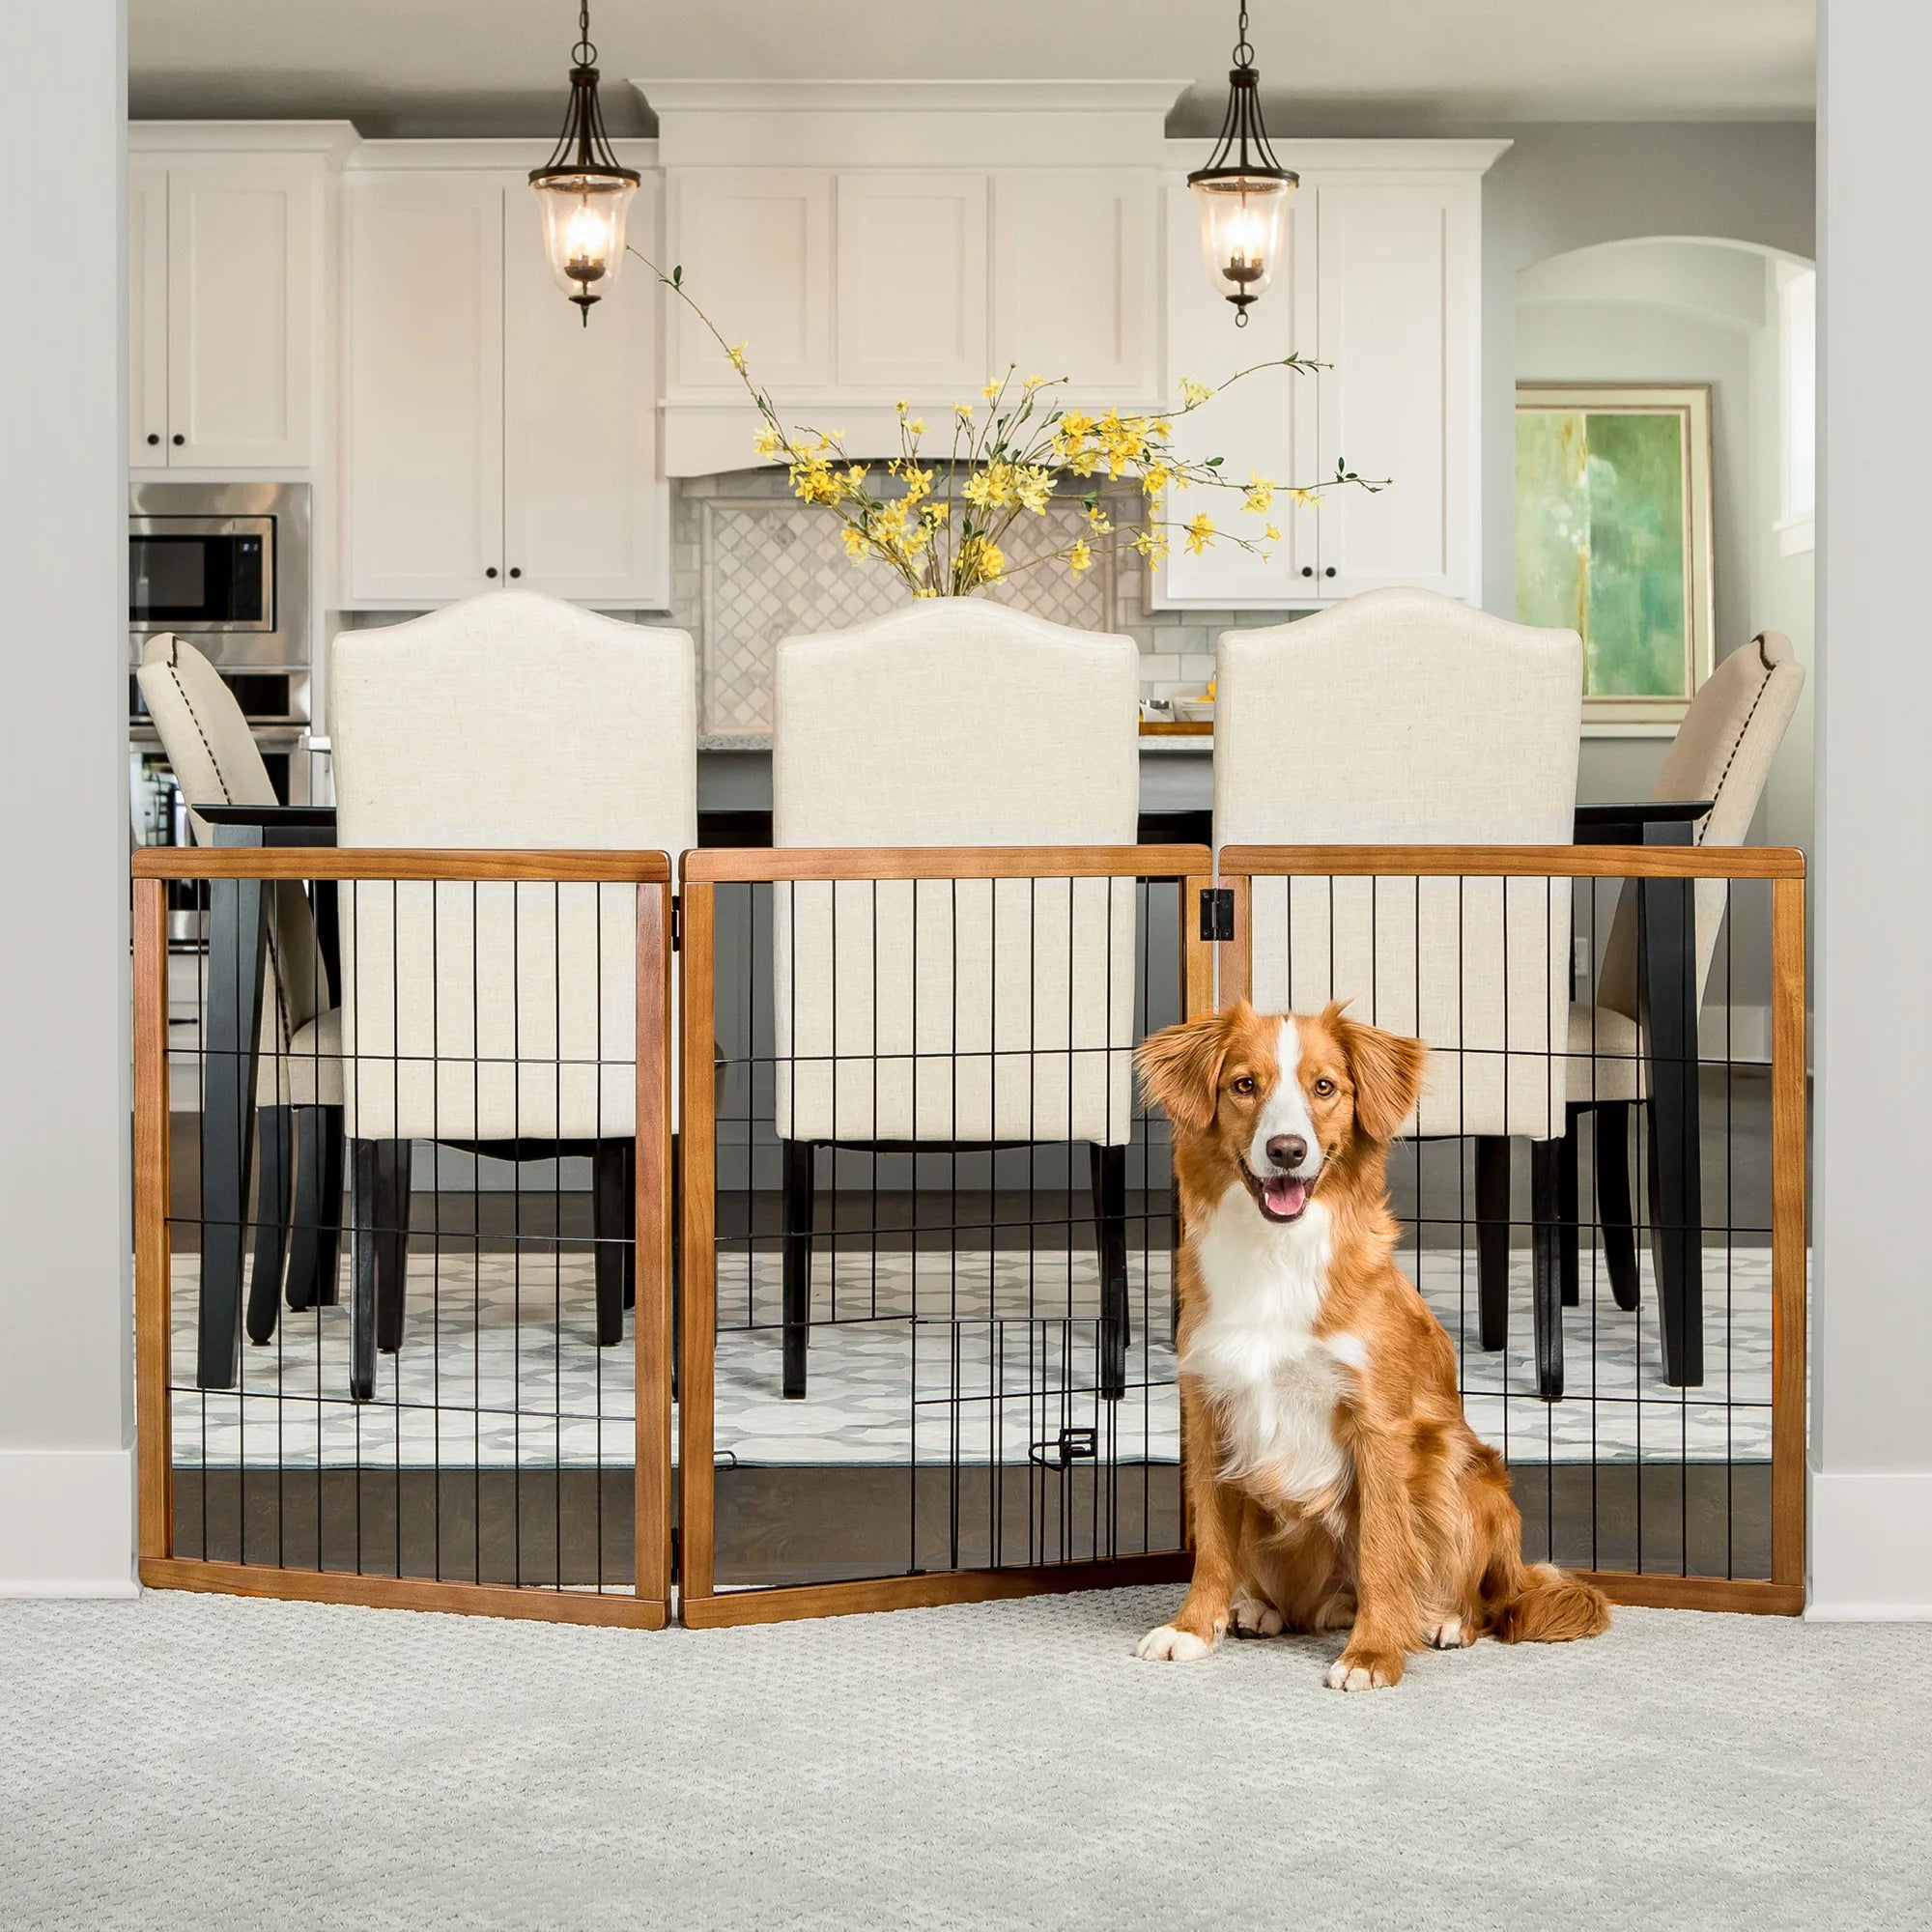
<point x="197" y="1762"/>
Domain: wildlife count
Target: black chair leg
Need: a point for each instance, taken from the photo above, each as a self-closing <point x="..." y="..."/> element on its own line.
<point x="1110" y="1217"/>
<point x="1614" y="1200"/>
<point x="1569" y="1239"/>
<point x="1492" y="1240"/>
<point x="315" y="1240"/>
<point x="273" y="1179"/>
<point x="614" y="1224"/>
<point x="795" y="1243"/>
<point x="365" y="1199"/>
<point x="1676" y="1244"/>
<point x="392" y="1244"/>
<point x="1545" y="1164"/>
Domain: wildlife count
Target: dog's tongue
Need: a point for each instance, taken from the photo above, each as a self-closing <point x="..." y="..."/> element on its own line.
<point x="1285" y="1194"/>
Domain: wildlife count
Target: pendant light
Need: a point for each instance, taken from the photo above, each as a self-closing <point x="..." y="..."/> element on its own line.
<point x="1242" y="191"/>
<point x="583" y="190"/>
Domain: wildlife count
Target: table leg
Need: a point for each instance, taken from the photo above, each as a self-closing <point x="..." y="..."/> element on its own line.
<point x="1667" y="962"/>
<point x="237" y="937"/>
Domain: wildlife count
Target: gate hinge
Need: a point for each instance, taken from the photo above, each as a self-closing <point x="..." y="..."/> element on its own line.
<point x="1078" y="1444"/>
<point x="677" y="922"/>
<point x="1217" y="912"/>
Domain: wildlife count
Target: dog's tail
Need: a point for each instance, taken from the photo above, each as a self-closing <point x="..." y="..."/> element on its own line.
<point x="1549" y="1605"/>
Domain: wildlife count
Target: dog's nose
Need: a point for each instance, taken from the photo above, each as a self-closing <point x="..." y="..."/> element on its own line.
<point x="1287" y="1151"/>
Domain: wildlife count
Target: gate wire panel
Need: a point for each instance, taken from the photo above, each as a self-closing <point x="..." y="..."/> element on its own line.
<point x="1603" y="1194"/>
<point x="403" y="1309"/>
<point x="927" y="1342"/>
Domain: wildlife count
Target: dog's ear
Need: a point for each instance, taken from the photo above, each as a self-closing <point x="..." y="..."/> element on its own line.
<point x="1181" y="1067"/>
<point x="1386" y="1069"/>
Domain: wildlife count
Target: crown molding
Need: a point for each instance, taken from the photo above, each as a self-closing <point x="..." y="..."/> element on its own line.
<point x="333" y="138"/>
<point x="491" y="156"/>
<point x="1370" y="154"/>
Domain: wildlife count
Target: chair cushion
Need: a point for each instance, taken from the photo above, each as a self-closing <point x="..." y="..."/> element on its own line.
<point x="310" y="1072"/>
<point x="1605" y="1059"/>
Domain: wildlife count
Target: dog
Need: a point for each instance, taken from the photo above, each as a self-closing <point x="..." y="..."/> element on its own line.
<point x="1331" y="1477"/>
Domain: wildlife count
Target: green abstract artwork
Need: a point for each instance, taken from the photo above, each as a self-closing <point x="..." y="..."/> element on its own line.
<point x="1601" y="540"/>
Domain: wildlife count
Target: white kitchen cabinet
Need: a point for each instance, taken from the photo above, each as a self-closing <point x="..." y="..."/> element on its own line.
<point x="755" y="247"/>
<point x="422" y="373"/>
<point x="224" y="274"/>
<point x="148" y="443"/>
<point x="1265" y="423"/>
<point x="1382" y="284"/>
<point x="491" y="436"/>
<point x="1396" y="282"/>
<point x="911" y="258"/>
<point x="1076" y="282"/>
<point x="585" y="509"/>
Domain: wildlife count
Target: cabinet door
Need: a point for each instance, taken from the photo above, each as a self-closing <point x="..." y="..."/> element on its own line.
<point x="585" y="514"/>
<point x="1398" y="320"/>
<point x="241" y="297"/>
<point x="755" y="247"/>
<point x="147" y="313"/>
<point x="912" y="283"/>
<point x="1266" y="422"/>
<point x="423" y="387"/>
<point x="1076" y="289"/>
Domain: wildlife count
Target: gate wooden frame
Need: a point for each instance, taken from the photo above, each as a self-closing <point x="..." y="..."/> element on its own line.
<point x="648" y="1604"/>
<point x="1782" y="1594"/>
<point x="700" y="1604"/>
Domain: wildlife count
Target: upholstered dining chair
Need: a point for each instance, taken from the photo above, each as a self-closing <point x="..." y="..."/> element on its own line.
<point x="1722" y="752"/>
<point x="955" y="1015"/>
<point x="498" y="1018"/>
<point x="1397" y="718"/>
<point x="215" y="759"/>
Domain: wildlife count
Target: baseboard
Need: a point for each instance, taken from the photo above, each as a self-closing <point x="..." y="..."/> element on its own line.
<point x="67" y="1522"/>
<point x="1870" y="1556"/>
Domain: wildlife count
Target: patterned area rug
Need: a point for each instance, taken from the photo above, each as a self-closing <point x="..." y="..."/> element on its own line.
<point x="926" y="1358"/>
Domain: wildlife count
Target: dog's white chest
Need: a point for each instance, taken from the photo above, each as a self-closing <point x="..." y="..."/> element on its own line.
<point x="1274" y="1385"/>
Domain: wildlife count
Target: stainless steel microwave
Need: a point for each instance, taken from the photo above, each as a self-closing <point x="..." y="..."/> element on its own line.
<point x="226" y="565"/>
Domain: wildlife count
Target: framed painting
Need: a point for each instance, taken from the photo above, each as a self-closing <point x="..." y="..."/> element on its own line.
<point x="1613" y="538"/>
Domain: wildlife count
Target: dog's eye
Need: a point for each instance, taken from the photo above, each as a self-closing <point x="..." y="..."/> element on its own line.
<point x="1244" y="1083"/>
<point x="1323" y="1088"/>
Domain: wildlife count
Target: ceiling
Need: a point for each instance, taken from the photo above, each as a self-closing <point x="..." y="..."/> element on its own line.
<point x="496" y="67"/>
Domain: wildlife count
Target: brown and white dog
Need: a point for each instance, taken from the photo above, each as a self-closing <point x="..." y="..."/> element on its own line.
<point x="1333" y="1481"/>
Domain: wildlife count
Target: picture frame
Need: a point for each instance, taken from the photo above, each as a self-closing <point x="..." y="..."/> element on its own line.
<point x="1613" y="538"/>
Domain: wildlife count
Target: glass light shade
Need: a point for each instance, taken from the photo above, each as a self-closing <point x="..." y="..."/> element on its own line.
<point x="583" y="216"/>
<point x="1242" y="222"/>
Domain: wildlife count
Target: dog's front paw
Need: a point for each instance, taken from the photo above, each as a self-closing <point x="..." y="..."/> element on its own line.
<point x="1365" y="1670"/>
<point x="1168" y="1645"/>
<point x="1336" y="1612"/>
<point x="1249" y="1616"/>
<point x="1450" y="1633"/>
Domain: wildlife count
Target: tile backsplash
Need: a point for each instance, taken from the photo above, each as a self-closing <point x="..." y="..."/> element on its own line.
<point x="750" y="565"/>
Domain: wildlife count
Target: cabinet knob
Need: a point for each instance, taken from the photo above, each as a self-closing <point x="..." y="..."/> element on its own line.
<point x="152" y="439"/>
<point x="178" y="440"/>
<point x="490" y="572"/>
<point x="1308" y="570"/>
<point x="514" y="571"/>
<point x="1329" y="572"/>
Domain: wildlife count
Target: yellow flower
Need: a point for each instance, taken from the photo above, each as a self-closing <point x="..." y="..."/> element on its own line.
<point x="980" y="561"/>
<point x="736" y="356"/>
<point x="1151" y="544"/>
<point x="1194" y="393"/>
<point x="1271" y="535"/>
<point x="918" y="481"/>
<point x="902" y="406"/>
<point x="854" y="542"/>
<point x="990" y="487"/>
<point x="1261" y="493"/>
<point x="1075" y="424"/>
<point x="1034" y="486"/>
<point x="1079" y="556"/>
<point x="917" y="426"/>
<point x="1200" y="533"/>
<point x="1034" y="382"/>
<point x="1157" y="477"/>
<point x="989" y="390"/>
<point x="767" y="442"/>
<point x="1304" y="497"/>
<point x="934" y="513"/>
<point x="855" y="479"/>
<point x="962" y="411"/>
<point x="1101" y="523"/>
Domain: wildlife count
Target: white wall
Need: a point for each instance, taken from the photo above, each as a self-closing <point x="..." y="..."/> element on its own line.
<point x="1871" y="1432"/>
<point x="65" y="1467"/>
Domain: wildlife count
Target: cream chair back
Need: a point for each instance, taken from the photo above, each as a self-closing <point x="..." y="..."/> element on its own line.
<point x="1724" y="752"/>
<point x="1399" y="718"/>
<point x="969" y="1010"/>
<point x="496" y="1012"/>
<point x="216" y="761"/>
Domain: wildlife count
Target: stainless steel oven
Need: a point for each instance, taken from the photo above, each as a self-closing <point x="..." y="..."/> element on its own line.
<point x="224" y="566"/>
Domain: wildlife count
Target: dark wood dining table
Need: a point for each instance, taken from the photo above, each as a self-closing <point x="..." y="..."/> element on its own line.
<point x="236" y="949"/>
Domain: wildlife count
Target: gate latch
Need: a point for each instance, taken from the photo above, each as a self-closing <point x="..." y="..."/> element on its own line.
<point x="1217" y="912"/>
<point x="1075" y="1445"/>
